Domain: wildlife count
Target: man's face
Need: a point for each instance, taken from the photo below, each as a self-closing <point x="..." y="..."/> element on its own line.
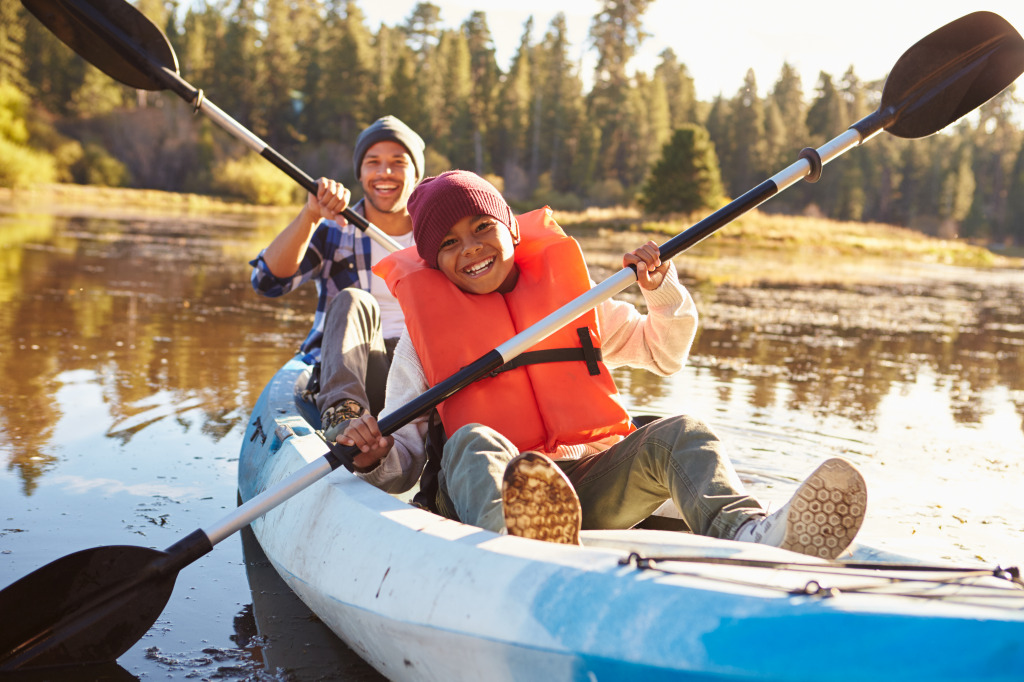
<point x="388" y="176"/>
<point x="477" y="255"/>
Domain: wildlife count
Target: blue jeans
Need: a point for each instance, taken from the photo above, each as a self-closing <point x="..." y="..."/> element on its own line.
<point x="677" y="458"/>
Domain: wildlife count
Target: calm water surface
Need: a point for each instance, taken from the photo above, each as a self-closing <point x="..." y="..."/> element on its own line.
<point x="132" y="348"/>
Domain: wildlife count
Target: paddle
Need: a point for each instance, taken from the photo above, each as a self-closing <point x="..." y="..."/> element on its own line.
<point x="120" y="41"/>
<point x="93" y="605"/>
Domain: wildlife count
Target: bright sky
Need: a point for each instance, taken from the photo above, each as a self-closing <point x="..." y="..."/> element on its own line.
<point x="719" y="41"/>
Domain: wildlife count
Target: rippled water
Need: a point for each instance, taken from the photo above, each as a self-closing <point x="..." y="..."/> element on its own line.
<point x="132" y="348"/>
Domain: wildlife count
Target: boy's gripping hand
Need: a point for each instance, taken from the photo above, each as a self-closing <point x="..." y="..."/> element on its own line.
<point x="650" y="271"/>
<point x="331" y="199"/>
<point x="364" y="433"/>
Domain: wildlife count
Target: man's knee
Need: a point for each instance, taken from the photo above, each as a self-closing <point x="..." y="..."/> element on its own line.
<point x="351" y="298"/>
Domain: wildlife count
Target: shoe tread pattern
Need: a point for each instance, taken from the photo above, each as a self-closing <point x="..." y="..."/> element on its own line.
<point x="539" y="501"/>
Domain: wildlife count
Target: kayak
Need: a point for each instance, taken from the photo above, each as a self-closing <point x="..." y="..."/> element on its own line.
<point x="421" y="597"/>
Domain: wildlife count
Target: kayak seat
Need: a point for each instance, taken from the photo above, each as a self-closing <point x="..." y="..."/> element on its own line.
<point x="300" y="393"/>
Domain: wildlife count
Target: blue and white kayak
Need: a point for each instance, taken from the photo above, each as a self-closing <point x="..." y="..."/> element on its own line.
<point x="421" y="597"/>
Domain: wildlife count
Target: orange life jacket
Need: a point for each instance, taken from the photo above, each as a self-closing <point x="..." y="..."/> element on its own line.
<point x="538" y="406"/>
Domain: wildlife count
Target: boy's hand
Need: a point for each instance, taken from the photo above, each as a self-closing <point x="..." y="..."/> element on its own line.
<point x="364" y="433"/>
<point x="650" y="271"/>
<point x="331" y="199"/>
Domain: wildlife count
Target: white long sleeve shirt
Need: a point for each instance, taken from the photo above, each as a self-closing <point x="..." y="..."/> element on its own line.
<point x="659" y="341"/>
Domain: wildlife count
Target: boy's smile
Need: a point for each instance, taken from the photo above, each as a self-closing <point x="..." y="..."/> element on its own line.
<point x="477" y="255"/>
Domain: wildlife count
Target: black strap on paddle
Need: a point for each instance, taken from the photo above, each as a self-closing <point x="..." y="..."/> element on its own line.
<point x="588" y="353"/>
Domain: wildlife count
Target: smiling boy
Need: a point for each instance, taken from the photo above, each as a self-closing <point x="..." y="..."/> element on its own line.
<point x="545" y="448"/>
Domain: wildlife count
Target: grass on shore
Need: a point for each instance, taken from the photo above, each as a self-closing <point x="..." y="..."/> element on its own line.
<point x="755" y="247"/>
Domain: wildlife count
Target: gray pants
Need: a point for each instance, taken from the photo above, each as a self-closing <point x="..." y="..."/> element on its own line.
<point x="354" y="356"/>
<point x="677" y="458"/>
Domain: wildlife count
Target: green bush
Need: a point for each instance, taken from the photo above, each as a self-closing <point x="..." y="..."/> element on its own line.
<point x="13" y="107"/>
<point x="255" y="180"/>
<point x="21" y="166"/>
<point x="97" y="167"/>
<point x="607" y="193"/>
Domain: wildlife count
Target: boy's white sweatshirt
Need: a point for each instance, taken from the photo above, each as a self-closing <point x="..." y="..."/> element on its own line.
<point x="659" y="341"/>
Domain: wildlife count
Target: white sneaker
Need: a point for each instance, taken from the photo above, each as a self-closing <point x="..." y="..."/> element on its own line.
<point x="821" y="519"/>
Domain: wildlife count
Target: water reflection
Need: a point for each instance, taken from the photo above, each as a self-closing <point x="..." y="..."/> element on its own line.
<point x="842" y="351"/>
<point x="152" y="313"/>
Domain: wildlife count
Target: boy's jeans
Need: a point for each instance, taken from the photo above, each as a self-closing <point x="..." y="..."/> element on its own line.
<point x="677" y="457"/>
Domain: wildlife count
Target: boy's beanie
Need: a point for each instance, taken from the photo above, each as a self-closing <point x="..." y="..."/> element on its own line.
<point x="439" y="202"/>
<point x="389" y="128"/>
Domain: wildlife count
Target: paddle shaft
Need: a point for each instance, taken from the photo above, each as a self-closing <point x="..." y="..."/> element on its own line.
<point x="171" y="80"/>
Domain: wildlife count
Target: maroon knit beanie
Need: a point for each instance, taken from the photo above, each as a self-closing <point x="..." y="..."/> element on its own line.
<point x="439" y="202"/>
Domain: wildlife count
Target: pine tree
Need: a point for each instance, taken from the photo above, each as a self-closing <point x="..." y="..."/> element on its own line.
<point x="617" y="32"/>
<point x="747" y="131"/>
<point x="680" y="92"/>
<point x="1015" y="205"/>
<point x="484" y="78"/>
<point x="719" y="127"/>
<point x="957" y="191"/>
<point x="563" y="112"/>
<point x="686" y="178"/>
<point x="516" y="107"/>
<point x="454" y="65"/>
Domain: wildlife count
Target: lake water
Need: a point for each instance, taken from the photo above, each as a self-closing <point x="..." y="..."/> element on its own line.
<point x="132" y="348"/>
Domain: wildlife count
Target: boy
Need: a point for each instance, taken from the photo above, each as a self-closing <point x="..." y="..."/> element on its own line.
<point x="544" y="449"/>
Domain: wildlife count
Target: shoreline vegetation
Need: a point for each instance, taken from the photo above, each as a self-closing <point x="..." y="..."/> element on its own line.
<point x="757" y="247"/>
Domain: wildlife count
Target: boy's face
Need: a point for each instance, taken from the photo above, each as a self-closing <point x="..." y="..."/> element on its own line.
<point x="388" y="176"/>
<point x="477" y="255"/>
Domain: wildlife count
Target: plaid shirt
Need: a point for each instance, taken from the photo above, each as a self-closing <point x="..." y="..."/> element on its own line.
<point x="338" y="256"/>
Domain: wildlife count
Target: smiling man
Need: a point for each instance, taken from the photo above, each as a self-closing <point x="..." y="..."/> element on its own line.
<point x="357" y="322"/>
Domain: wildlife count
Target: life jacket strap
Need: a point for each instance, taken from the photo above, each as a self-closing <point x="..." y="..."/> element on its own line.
<point x="588" y="354"/>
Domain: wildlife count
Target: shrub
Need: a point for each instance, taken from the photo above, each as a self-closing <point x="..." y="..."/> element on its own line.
<point x="255" y="180"/>
<point x="21" y="166"/>
<point x="97" y="167"/>
<point x="607" y="193"/>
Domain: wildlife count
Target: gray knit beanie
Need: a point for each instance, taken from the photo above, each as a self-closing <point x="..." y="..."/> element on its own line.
<point x="389" y="128"/>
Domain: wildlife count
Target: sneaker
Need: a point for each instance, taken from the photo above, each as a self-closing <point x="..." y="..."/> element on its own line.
<point x="334" y="419"/>
<point x="821" y="519"/>
<point x="539" y="501"/>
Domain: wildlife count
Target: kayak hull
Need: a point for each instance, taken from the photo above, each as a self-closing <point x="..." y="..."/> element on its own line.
<point x="421" y="597"/>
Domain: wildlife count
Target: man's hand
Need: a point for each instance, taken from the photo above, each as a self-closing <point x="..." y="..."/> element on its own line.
<point x="330" y="200"/>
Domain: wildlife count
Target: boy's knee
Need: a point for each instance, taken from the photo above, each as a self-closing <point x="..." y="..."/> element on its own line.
<point x="473" y="439"/>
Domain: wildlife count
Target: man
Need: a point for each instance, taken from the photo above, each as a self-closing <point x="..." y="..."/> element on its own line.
<point x="357" y="322"/>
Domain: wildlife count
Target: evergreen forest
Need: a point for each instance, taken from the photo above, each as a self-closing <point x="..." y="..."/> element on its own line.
<point x="308" y="75"/>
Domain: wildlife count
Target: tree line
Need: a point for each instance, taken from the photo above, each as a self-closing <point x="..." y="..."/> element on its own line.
<point x="308" y="76"/>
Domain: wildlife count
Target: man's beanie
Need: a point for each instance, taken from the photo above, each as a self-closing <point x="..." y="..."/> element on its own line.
<point x="439" y="202"/>
<point x="389" y="128"/>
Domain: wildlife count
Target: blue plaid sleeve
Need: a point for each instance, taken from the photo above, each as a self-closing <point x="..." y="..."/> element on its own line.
<point x="268" y="284"/>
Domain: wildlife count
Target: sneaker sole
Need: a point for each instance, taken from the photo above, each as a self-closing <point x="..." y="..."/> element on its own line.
<point x="539" y="501"/>
<point x="827" y="511"/>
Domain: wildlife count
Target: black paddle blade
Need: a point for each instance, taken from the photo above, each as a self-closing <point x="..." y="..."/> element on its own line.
<point x="950" y="72"/>
<point x="111" y="35"/>
<point x="86" y="608"/>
